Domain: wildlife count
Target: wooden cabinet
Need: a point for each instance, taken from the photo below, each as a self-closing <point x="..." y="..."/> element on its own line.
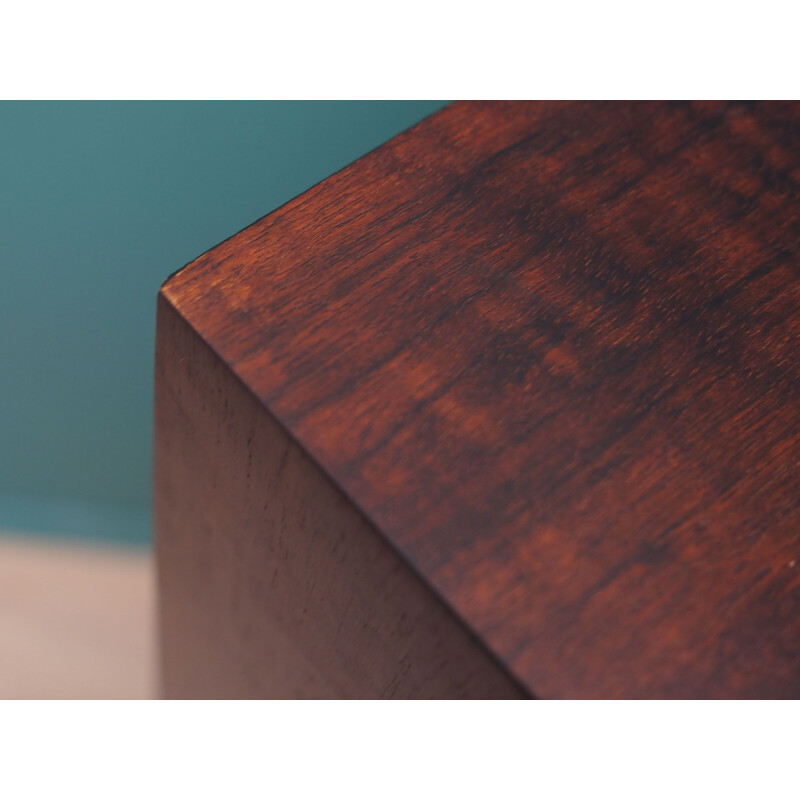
<point x="510" y="407"/>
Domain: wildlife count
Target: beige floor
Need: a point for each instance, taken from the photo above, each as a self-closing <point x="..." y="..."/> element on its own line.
<point x="75" y="621"/>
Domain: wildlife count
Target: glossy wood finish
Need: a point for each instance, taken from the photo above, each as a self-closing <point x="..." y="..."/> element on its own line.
<point x="272" y="585"/>
<point x="551" y="352"/>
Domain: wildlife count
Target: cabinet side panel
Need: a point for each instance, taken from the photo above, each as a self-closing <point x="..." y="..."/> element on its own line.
<point x="271" y="584"/>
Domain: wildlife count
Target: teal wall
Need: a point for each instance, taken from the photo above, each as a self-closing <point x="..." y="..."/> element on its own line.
<point x="99" y="202"/>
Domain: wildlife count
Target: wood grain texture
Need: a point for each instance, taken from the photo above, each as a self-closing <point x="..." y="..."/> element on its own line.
<point x="272" y="585"/>
<point x="551" y="352"/>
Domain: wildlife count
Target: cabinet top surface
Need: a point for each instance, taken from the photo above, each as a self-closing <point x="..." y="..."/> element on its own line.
<point x="552" y="352"/>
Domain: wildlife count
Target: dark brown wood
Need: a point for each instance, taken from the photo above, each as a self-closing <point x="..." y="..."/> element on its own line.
<point x="271" y="583"/>
<point x="550" y="354"/>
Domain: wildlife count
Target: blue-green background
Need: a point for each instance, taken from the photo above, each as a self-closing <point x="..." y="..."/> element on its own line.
<point x="99" y="202"/>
